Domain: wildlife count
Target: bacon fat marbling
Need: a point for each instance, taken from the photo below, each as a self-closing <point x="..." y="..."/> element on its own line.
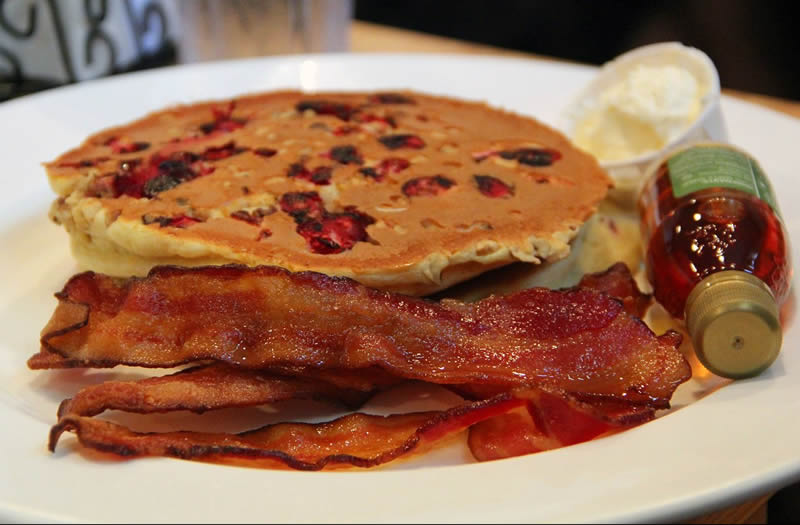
<point x="577" y="340"/>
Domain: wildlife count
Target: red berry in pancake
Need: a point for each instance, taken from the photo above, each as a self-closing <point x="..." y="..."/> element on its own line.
<point x="181" y="221"/>
<point x="137" y="179"/>
<point x="345" y="130"/>
<point x="402" y="140"/>
<point x="162" y="182"/>
<point x="299" y="171"/>
<point x="85" y="163"/>
<point x="532" y="156"/>
<point x="367" y="118"/>
<point x="223" y="120"/>
<point x="387" y="166"/>
<point x="222" y="152"/>
<point x="302" y="205"/>
<point x="336" y="232"/>
<point x="120" y="145"/>
<point x="320" y="175"/>
<point x="345" y="155"/>
<point x="265" y="152"/>
<point x="325" y="107"/>
<point x="325" y="232"/>
<point x="493" y="187"/>
<point x="253" y="217"/>
<point x="427" y="186"/>
<point x="528" y="156"/>
<point x="389" y="98"/>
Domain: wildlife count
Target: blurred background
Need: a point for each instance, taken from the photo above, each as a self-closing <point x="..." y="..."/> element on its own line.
<point x="750" y="42"/>
<point x="49" y="43"/>
<point x="45" y="44"/>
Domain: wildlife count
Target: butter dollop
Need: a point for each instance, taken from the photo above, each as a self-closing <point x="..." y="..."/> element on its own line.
<point x="642" y="112"/>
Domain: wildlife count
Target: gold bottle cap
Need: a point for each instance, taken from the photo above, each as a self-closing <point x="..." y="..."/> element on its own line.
<point x="734" y="323"/>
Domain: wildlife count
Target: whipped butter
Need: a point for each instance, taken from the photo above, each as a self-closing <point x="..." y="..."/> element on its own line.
<point x="649" y="106"/>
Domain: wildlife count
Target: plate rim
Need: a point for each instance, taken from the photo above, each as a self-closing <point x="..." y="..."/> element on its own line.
<point x="678" y="508"/>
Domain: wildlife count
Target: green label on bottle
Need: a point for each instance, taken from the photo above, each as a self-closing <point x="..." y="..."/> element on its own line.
<point x="704" y="167"/>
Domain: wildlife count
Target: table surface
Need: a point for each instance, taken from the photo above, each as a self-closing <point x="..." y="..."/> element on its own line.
<point x="367" y="37"/>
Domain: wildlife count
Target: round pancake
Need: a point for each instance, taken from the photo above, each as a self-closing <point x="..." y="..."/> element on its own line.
<point x="401" y="191"/>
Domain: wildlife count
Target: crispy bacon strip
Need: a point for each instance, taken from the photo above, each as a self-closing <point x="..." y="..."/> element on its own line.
<point x="358" y="440"/>
<point x="573" y="340"/>
<point x="618" y="282"/>
<point x="508" y="424"/>
<point x="361" y="379"/>
<point x="508" y="435"/>
<point x="209" y="387"/>
<point x="613" y="410"/>
<point x="550" y="421"/>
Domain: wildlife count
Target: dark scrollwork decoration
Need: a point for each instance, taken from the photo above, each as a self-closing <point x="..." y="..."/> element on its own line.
<point x="16" y="68"/>
<point x="13" y="31"/>
<point x="141" y="26"/>
<point x="11" y="76"/>
<point x="96" y="34"/>
<point x="9" y="81"/>
<point x="149" y="35"/>
<point x="63" y="45"/>
<point x="13" y="83"/>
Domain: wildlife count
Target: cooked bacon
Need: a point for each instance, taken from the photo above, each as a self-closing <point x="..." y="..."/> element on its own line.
<point x="360" y="379"/>
<point x="549" y="421"/>
<point x="358" y="440"/>
<point x="577" y="340"/>
<point x="506" y="436"/>
<point x="508" y="424"/>
<point x="388" y="337"/>
<point x="208" y="387"/>
<point x="618" y="282"/>
<point x="610" y="409"/>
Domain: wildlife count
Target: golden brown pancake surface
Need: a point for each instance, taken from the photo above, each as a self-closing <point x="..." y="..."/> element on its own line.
<point x="401" y="191"/>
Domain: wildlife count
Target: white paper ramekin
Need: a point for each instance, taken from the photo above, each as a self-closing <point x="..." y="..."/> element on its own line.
<point x="709" y="125"/>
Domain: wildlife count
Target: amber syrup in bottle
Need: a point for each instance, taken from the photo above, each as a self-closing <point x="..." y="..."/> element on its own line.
<point x="717" y="254"/>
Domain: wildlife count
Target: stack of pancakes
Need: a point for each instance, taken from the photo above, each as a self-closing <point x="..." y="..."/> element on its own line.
<point x="401" y="191"/>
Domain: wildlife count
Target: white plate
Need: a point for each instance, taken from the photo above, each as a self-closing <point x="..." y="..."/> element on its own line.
<point x="734" y="444"/>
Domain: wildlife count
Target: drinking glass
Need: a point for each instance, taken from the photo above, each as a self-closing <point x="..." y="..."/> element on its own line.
<point x="220" y="29"/>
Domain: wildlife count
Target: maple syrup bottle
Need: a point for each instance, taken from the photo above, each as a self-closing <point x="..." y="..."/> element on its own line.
<point x="717" y="254"/>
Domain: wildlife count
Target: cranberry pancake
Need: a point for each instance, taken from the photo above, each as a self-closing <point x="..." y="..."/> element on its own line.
<point x="401" y="191"/>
